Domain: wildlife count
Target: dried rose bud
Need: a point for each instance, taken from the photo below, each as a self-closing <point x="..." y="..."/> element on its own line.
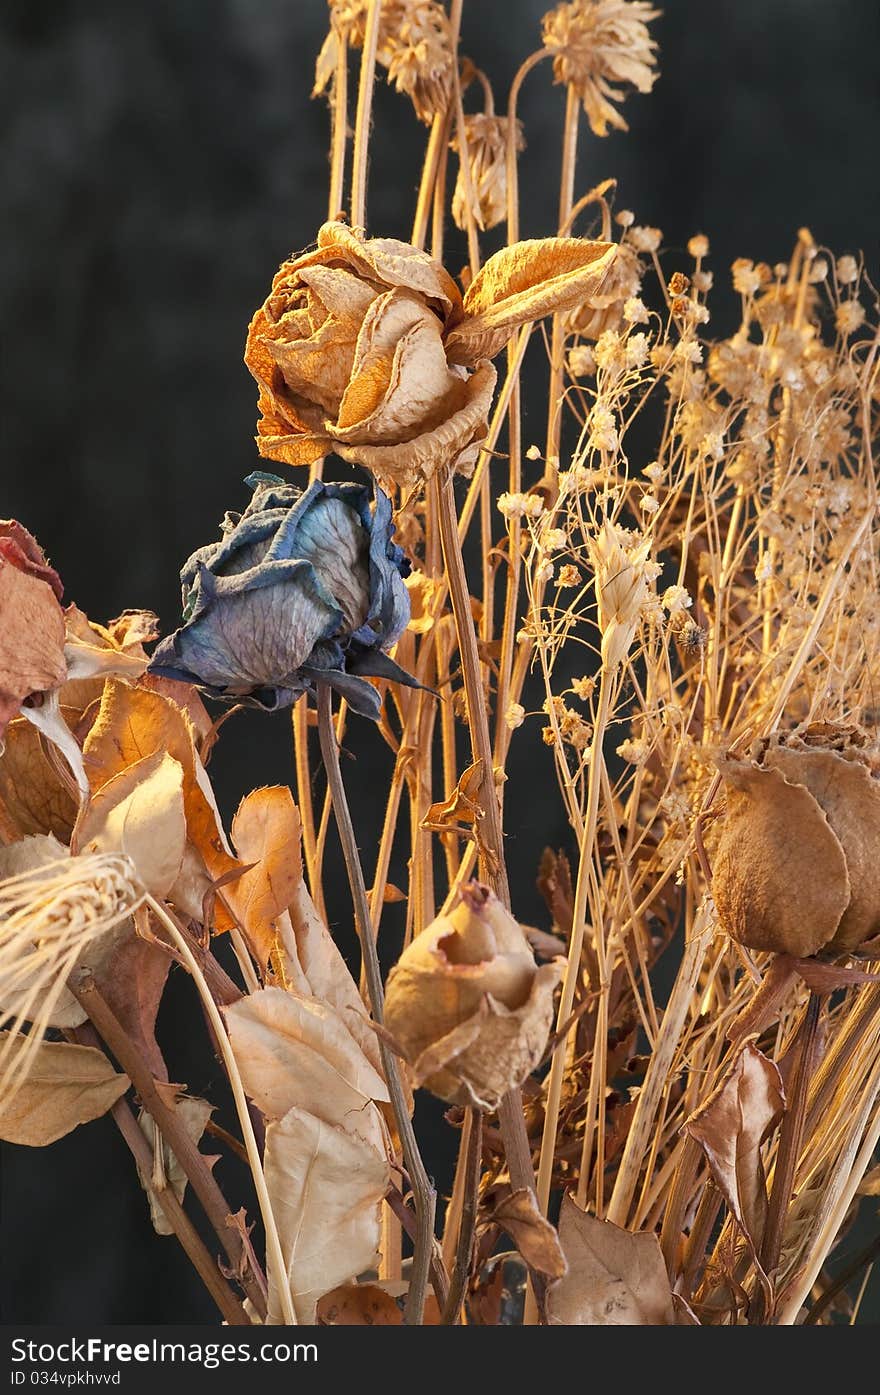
<point x="798" y="863"/>
<point x="468" y="1003"/>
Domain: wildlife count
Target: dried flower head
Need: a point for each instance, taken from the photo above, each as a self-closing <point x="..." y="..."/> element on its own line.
<point x="468" y="1003"/>
<point x="599" y="43"/>
<point x="605" y="308"/>
<point x="798" y="864"/>
<point x="486" y="136"/>
<point x="414" y="45"/>
<point x="366" y="347"/>
<point x="304" y="587"/>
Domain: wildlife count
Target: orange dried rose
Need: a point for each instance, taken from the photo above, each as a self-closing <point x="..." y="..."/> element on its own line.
<point x="469" y="1005"/>
<point x="798" y="863"/>
<point x="366" y="347"/>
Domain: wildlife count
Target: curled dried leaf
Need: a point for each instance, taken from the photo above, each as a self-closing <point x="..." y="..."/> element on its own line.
<point x="614" y="1278"/>
<point x="468" y="1003"/>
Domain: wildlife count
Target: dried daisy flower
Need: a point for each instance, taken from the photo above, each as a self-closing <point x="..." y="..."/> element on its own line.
<point x="798" y="865"/>
<point x="414" y="45"/>
<point x="468" y="1003"/>
<point x="599" y="43"/>
<point x="486" y="136"/>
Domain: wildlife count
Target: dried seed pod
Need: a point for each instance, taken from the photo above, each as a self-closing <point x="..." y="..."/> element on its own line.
<point x="798" y="862"/>
<point x="468" y="1003"/>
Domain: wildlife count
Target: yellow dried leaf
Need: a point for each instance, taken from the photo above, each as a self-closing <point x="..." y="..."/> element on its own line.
<point x="139" y="812"/>
<point x="521" y="284"/>
<point x="266" y="832"/>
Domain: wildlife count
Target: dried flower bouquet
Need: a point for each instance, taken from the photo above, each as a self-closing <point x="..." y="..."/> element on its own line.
<point x="685" y="572"/>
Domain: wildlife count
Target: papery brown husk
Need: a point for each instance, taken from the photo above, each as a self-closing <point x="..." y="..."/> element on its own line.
<point x="469" y="1005"/>
<point x="798" y="863"/>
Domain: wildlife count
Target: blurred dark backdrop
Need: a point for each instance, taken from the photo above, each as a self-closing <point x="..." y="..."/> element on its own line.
<point x="159" y="158"/>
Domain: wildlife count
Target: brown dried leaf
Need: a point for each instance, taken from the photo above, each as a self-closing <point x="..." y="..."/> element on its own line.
<point x="358" y="1305"/>
<point x="66" y="1085"/>
<point x="31" y="639"/>
<point x="461" y="808"/>
<point x="139" y="812"/>
<point x="521" y="284"/>
<point x="315" y="967"/>
<point x="614" y="1279"/>
<point x="33" y="794"/>
<point x="134" y="722"/>
<point x="326" y="1186"/>
<point x="266" y="832"/>
<point x="194" y="1115"/>
<point x="532" y="1233"/>
<point x="730" y="1128"/>
<point x="130" y="973"/>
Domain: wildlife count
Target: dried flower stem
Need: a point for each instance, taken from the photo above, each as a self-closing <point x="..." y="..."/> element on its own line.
<point x="273" y="1240"/>
<point x="191" y="1242"/>
<point x="364" y="112"/>
<point x="467" y="1227"/>
<point x="339" y="107"/>
<point x="424" y="1196"/>
<point x="790" y="1138"/>
<point x="167" y="1121"/>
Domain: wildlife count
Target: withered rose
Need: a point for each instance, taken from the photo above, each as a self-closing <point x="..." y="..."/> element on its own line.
<point x="468" y="1003"/>
<point x="31" y="622"/>
<point x="366" y="347"/>
<point x="798" y="863"/>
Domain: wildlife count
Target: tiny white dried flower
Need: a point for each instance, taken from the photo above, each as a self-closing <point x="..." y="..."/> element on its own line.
<point x="654" y="471"/>
<point x="634" y="311"/>
<point x="636" y="350"/>
<point x="635" y="751"/>
<point x="819" y="270"/>
<point x="555" y="539"/>
<point x="581" y="363"/>
<point x="544" y="571"/>
<point x="703" y="281"/>
<point x="847" y="270"/>
<point x="645" y="239"/>
<point x="849" y="317"/>
<point x="698" y="246"/>
<point x="650" y="503"/>
<point x="625" y="218"/>
<point x="603" y="429"/>
<point x="515" y="715"/>
<point x="676" y="599"/>
<point x="533" y="453"/>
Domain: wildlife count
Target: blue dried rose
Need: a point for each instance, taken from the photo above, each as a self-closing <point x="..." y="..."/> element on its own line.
<point x="305" y="587"/>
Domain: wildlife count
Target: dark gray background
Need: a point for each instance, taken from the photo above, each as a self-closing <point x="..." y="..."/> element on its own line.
<point x="158" y="160"/>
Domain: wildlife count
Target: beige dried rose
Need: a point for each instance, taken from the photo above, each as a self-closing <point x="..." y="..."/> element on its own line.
<point x="366" y="347"/>
<point x="798" y="863"/>
<point x="468" y="1003"/>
